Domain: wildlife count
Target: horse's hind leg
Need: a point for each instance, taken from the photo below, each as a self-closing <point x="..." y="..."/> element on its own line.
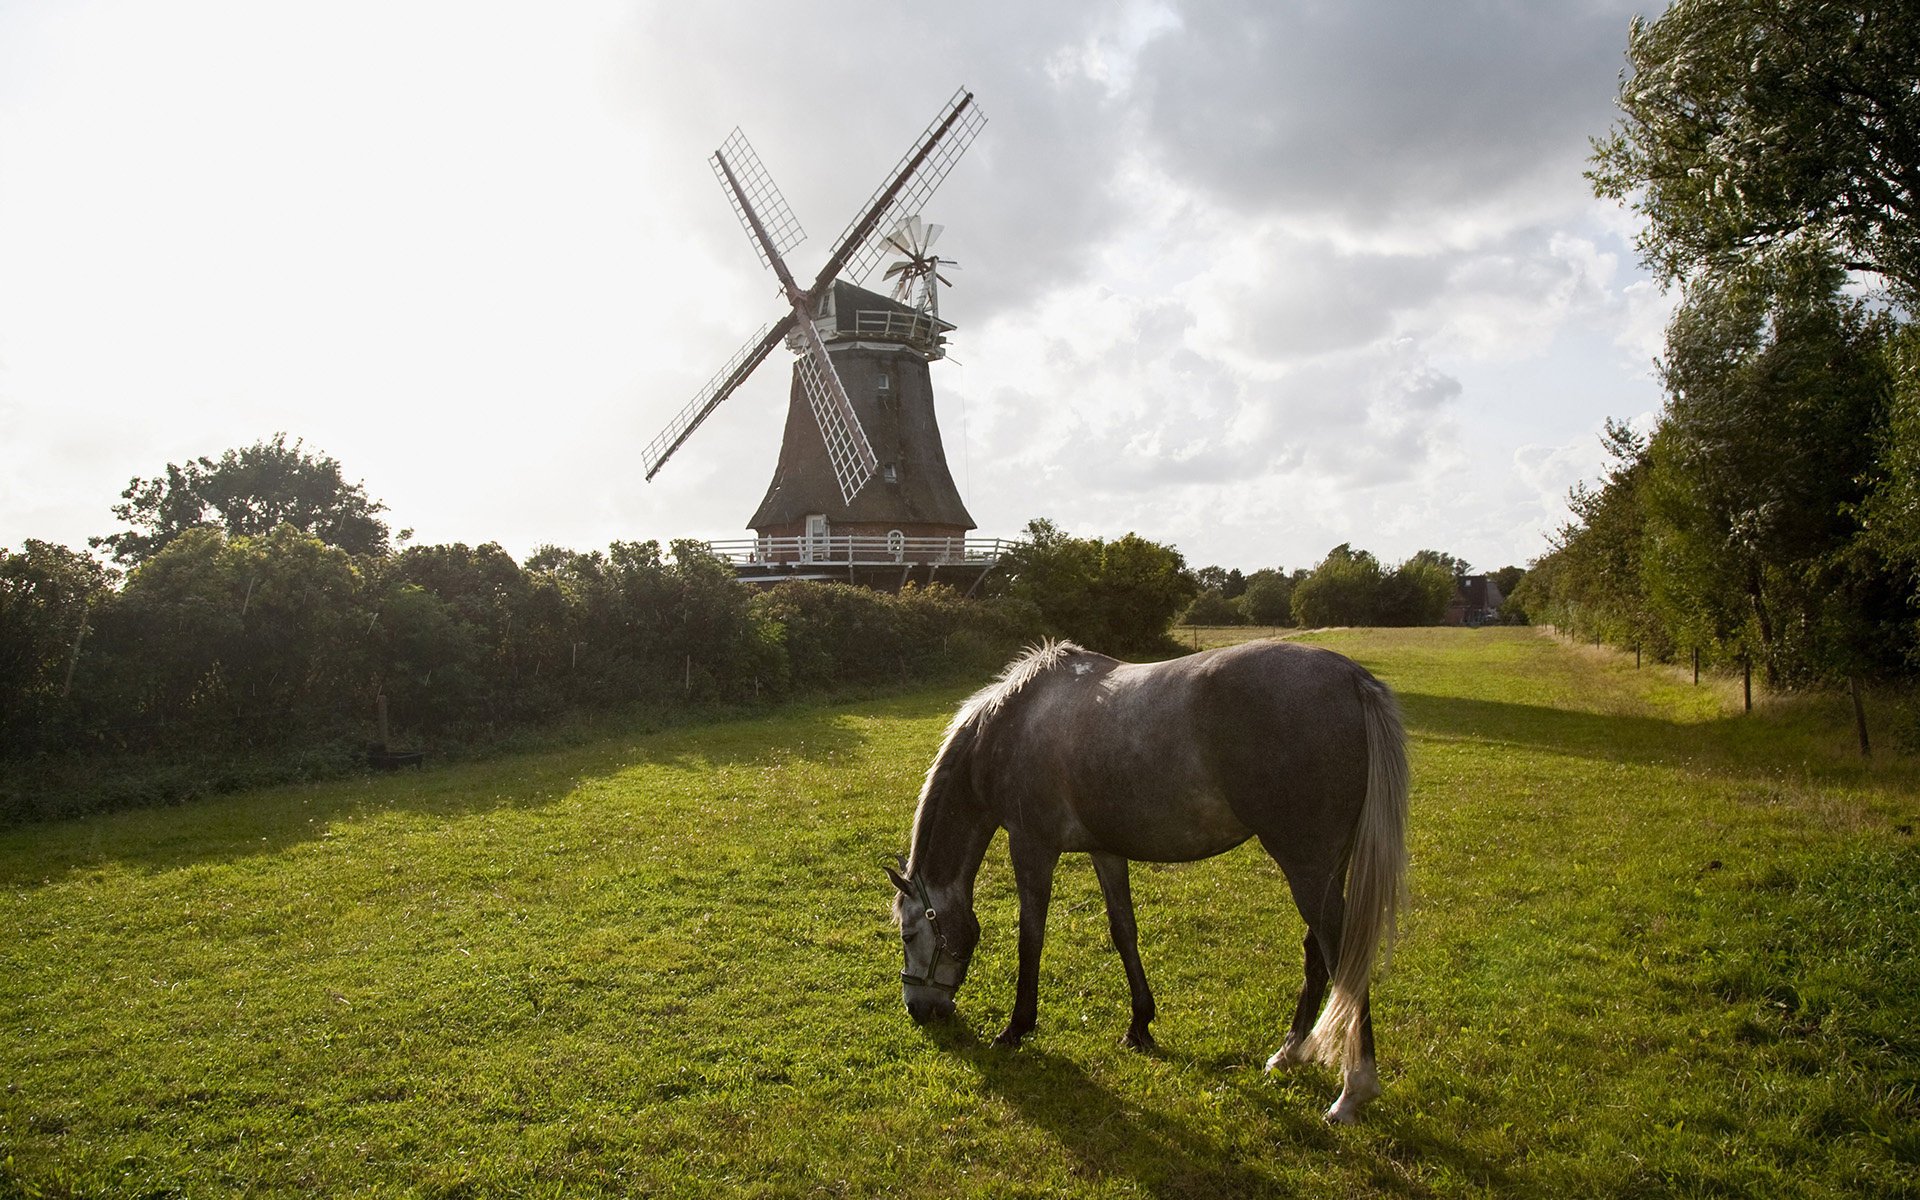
<point x="1359" y="1080"/>
<point x="1112" y="870"/>
<point x="1292" y="1052"/>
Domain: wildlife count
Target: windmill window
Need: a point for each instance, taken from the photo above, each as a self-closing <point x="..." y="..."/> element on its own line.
<point x="886" y="382"/>
<point x="890" y="474"/>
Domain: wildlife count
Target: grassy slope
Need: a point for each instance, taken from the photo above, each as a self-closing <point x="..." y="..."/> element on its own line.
<point x="1654" y="948"/>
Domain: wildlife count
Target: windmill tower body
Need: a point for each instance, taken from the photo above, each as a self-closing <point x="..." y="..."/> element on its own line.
<point x="881" y="349"/>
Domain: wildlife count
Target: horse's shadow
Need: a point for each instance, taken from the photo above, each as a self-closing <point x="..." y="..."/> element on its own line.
<point x="1112" y="1136"/>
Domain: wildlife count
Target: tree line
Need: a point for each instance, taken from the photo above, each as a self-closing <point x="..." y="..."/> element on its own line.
<point x="257" y="611"/>
<point x="1771" y="516"/>
<point x="1347" y="587"/>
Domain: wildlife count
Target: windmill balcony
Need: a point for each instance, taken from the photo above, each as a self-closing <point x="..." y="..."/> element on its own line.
<point x="887" y="562"/>
<point x="917" y="329"/>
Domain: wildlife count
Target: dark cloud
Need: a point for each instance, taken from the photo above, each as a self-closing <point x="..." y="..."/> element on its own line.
<point x="1372" y="113"/>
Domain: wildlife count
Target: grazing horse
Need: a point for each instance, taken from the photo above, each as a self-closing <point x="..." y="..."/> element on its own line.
<point x="1170" y="762"/>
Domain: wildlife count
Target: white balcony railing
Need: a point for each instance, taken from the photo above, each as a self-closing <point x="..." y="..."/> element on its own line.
<point x="836" y="550"/>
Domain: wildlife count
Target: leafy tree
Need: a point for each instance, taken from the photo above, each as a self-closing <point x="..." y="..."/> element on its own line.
<point x="247" y="493"/>
<point x="1230" y="583"/>
<point x="1417" y="592"/>
<point x="1596" y="585"/>
<point x="1753" y="123"/>
<point x="1891" y="514"/>
<point x="1119" y="597"/>
<point x="46" y="592"/>
<point x="1777" y="389"/>
<point x="1211" y="607"/>
<point x="1343" y="590"/>
<point x="238" y="640"/>
<point x="1269" y="597"/>
<point x="1454" y="567"/>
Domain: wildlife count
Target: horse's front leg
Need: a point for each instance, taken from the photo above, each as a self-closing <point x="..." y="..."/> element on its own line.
<point x="1033" y="875"/>
<point x="1112" y="870"/>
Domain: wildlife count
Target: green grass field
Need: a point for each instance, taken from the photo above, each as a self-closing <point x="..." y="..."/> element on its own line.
<point x="1656" y="948"/>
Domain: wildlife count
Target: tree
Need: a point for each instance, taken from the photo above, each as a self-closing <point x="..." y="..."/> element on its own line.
<point x="46" y="592"/>
<point x="1343" y="590"/>
<point x="1891" y="515"/>
<point x="1119" y="597"/>
<point x="247" y="493"/>
<point x="1595" y="585"/>
<point x="1212" y="608"/>
<point x="1417" y="592"/>
<point x="1778" y="390"/>
<point x="1455" y="568"/>
<point x="1750" y="124"/>
<point x="1269" y="597"/>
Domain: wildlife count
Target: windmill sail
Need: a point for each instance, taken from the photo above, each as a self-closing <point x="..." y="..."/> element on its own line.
<point x="751" y="191"/>
<point x="847" y="446"/>
<point x="718" y="388"/>
<point x="919" y="173"/>
<point x="772" y="227"/>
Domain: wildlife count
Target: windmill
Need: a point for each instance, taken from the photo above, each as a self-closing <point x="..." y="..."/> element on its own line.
<point x="861" y="454"/>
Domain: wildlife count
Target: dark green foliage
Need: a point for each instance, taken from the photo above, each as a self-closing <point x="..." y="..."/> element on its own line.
<point x="830" y="636"/>
<point x="248" y="493"/>
<point x="1350" y="587"/>
<point x="1117" y="597"/>
<point x="1343" y="590"/>
<point x="1269" y="597"/>
<point x="1766" y="520"/>
<point x="1749" y="124"/>
<point x="1230" y="583"/>
<point x="238" y="661"/>
<point x="1771" y="520"/>
<point x="46" y="596"/>
<point x="1212" y="607"/>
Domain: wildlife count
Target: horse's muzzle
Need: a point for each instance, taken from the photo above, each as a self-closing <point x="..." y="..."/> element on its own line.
<point x="926" y="1004"/>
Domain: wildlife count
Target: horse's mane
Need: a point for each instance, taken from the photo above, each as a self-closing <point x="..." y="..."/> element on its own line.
<point x="951" y="757"/>
<point x="1036" y="661"/>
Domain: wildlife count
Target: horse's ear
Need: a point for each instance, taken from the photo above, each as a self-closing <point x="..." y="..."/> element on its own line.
<point x="900" y="882"/>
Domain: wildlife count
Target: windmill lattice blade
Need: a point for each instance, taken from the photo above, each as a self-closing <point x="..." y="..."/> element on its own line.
<point x="847" y="447"/>
<point x="782" y="227"/>
<point x="908" y="185"/>
<point x="718" y="388"/>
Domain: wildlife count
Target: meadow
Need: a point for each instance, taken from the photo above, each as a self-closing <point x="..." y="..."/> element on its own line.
<point x="1656" y="947"/>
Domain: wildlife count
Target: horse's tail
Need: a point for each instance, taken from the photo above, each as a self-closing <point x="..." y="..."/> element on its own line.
<point x="1376" y="879"/>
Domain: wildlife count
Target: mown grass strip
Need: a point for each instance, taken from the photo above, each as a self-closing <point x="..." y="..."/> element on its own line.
<point x="1656" y="947"/>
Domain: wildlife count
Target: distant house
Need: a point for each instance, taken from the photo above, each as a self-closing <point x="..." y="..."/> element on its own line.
<point x="1476" y="601"/>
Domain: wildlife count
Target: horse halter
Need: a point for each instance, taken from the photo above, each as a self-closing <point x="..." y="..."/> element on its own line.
<point x="944" y="961"/>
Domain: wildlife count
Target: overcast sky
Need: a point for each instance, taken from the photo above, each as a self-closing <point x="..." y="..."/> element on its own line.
<point x="1250" y="277"/>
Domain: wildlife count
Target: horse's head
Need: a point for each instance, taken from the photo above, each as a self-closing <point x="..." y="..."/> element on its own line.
<point x="938" y="944"/>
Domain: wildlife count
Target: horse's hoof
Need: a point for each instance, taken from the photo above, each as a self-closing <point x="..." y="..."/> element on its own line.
<point x="1141" y="1040"/>
<point x="1009" y="1038"/>
<point x="1289" y="1054"/>
<point x="1338" y="1115"/>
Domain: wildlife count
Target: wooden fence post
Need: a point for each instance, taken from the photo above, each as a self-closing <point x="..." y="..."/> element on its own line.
<point x="1859" y="715"/>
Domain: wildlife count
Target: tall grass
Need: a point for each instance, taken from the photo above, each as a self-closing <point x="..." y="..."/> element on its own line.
<point x="1656" y="947"/>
